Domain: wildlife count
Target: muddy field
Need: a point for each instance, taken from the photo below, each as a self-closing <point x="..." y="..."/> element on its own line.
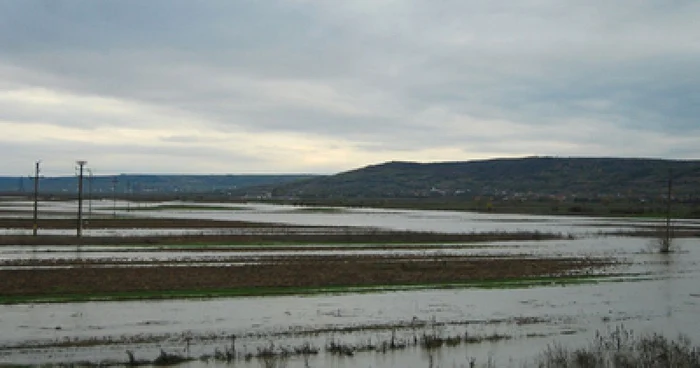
<point x="287" y="272"/>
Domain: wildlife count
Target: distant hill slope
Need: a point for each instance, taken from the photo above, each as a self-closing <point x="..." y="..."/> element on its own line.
<point x="525" y="177"/>
<point x="144" y="184"/>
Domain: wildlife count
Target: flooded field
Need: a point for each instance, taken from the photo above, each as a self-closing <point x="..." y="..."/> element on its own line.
<point x="413" y="220"/>
<point x="414" y="327"/>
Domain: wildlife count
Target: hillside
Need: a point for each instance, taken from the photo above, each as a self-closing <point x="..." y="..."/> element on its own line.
<point x="503" y="178"/>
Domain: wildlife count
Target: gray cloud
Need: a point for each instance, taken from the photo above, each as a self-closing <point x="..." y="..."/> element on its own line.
<point x="368" y="80"/>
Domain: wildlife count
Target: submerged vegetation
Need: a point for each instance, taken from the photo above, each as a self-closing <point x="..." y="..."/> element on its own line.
<point x="621" y="348"/>
<point x="616" y="348"/>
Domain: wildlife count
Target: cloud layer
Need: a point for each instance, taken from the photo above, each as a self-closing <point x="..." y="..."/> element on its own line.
<point x="285" y="86"/>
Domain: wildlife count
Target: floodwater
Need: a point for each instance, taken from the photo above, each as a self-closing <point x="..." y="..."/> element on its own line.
<point x="363" y="218"/>
<point x="416" y="220"/>
<point x="16" y="256"/>
<point x="654" y="293"/>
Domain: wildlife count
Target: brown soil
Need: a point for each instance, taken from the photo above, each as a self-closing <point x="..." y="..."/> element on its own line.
<point x="286" y="272"/>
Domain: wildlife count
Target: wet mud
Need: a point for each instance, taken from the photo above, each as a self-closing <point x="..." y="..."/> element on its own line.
<point x="285" y="272"/>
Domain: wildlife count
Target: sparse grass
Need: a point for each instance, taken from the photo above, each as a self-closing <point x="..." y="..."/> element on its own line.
<point x="270" y="355"/>
<point x="618" y="348"/>
<point x="621" y="348"/>
<point x="435" y="339"/>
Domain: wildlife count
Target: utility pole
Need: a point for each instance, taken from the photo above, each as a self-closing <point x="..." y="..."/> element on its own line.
<point x="35" y="227"/>
<point x="114" y="196"/>
<point x="667" y="240"/>
<point x="81" y="165"/>
<point x="128" y="196"/>
<point x="90" y="193"/>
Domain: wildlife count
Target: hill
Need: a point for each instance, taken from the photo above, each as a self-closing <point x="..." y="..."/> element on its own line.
<point x="507" y="178"/>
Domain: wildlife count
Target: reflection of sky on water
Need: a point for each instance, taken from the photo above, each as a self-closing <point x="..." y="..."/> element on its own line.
<point x="439" y="221"/>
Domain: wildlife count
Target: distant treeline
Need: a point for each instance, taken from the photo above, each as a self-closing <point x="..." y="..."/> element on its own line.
<point x="144" y="184"/>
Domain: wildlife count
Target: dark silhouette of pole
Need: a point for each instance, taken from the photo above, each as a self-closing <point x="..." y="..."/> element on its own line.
<point x="90" y="178"/>
<point x="667" y="243"/>
<point x="80" y="198"/>
<point x="35" y="227"/>
<point x="128" y="196"/>
<point x="114" y="196"/>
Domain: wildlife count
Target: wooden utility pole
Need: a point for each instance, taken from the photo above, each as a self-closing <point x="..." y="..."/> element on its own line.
<point x="128" y="196"/>
<point x="81" y="164"/>
<point x="667" y="240"/>
<point x="90" y="178"/>
<point x="114" y="196"/>
<point x="35" y="227"/>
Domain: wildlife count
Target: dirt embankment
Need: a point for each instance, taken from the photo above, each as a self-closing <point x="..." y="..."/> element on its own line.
<point x="292" y="273"/>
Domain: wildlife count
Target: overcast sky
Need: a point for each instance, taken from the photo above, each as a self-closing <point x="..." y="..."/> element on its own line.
<point x="294" y="86"/>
